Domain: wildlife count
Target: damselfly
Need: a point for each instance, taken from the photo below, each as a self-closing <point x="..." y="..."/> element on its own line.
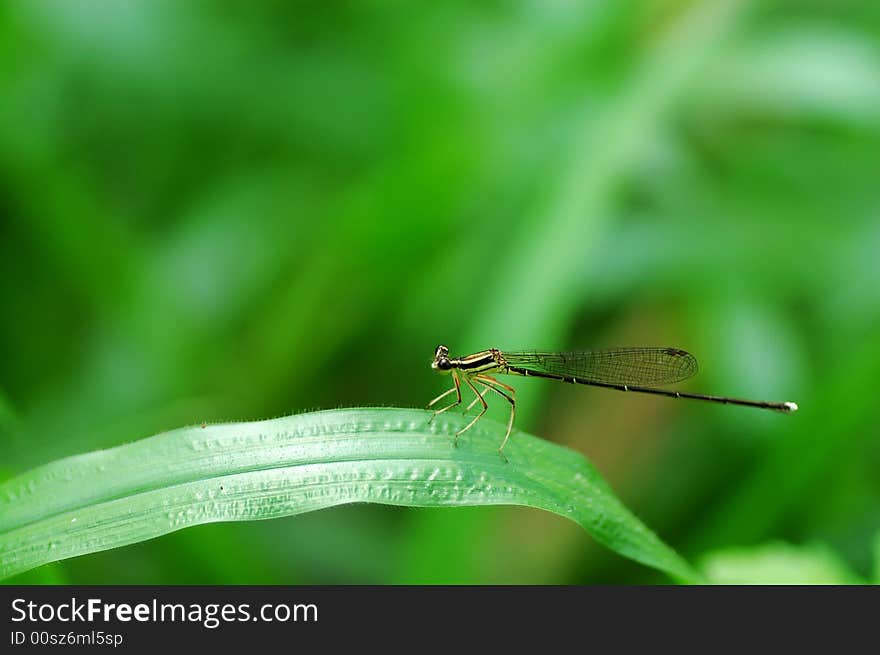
<point x="626" y="369"/>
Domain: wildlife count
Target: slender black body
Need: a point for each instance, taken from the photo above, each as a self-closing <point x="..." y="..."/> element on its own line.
<point x="784" y="407"/>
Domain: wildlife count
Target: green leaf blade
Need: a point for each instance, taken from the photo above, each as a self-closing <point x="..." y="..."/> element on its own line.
<point x="296" y="464"/>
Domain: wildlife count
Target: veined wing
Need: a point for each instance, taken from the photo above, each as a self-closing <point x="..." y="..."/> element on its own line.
<point x="631" y="366"/>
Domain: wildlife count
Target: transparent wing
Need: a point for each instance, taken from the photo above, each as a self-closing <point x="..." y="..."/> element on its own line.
<point x="632" y="366"/>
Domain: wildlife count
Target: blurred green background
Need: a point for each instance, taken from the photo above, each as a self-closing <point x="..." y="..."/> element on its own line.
<point x="217" y="211"/>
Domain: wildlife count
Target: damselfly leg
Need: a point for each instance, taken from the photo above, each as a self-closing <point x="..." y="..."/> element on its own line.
<point x="456" y="390"/>
<point x="476" y="400"/>
<point x="510" y="396"/>
<point x="479" y="397"/>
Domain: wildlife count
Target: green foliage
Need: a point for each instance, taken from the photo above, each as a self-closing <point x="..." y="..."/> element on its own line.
<point x="223" y="214"/>
<point x="778" y="564"/>
<point x="286" y="466"/>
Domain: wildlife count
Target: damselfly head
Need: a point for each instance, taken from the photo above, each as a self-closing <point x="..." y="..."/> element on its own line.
<point x="441" y="359"/>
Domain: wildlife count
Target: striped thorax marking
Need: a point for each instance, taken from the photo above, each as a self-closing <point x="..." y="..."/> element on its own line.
<point x="481" y="362"/>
